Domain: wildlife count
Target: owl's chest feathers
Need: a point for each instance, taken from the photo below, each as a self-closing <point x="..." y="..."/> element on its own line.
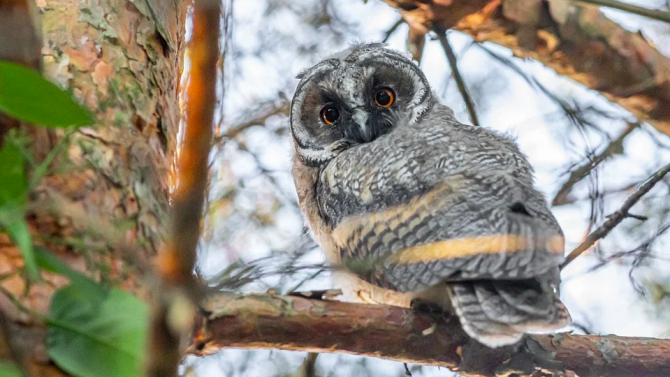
<point x="354" y="288"/>
<point x="306" y="178"/>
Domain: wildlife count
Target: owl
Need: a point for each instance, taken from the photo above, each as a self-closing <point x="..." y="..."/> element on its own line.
<point x="411" y="206"/>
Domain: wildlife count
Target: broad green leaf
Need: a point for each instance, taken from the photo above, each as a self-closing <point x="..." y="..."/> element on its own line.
<point x="88" y="289"/>
<point x="105" y="339"/>
<point x="26" y="95"/>
<point x="13" y="180"/>
<point x="9" y="370"/>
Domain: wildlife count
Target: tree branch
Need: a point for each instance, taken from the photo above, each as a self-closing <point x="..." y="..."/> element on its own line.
<point x="630" y="8"/>
<point x="577" y="42"/>
<point x="176" y="293"/>
<point x="618" y="216"/>
<point x="453" y="63"/>
<point x="257" y="118"/>
<point x="416" y="40"/>
<point x="392" y="30"/>
<point x="300" y="324"/>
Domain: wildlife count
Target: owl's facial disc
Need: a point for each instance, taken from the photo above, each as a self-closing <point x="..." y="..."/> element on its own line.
<point x="354" y="98"/>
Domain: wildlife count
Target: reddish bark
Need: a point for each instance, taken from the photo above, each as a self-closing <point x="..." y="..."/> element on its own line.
<point x="295" y="323"/>
<point x="178" y="289"/>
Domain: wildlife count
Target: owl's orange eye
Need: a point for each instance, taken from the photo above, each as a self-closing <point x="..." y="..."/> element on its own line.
<point x="330" y="114"/>
<point x="384" y="97"/>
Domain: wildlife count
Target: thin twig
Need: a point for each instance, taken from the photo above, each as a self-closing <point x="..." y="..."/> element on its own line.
<point x="392" y="30"/>
<point x="259" y="118"/>
<point x="453" y="63"/>
<point x="308" y="367"/>
<point x="617" y="216"/>
<point x="227" y="17"/>
<point x="642" y="249"/>
<point x="630" y="8"/>
<point x="578" y="174"/>
<point x="178" y="291"/>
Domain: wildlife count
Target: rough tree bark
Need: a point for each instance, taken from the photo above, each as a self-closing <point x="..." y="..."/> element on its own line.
<point x="577" y="41"/>
<point x="122" y="59"/>
<point x="20" y="43"/>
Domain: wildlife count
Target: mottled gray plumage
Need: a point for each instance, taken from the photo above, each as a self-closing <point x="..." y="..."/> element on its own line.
<point x="418" y="206"/>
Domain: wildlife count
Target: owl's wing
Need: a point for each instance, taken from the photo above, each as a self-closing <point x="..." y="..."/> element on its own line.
<point x="455" y="205"/>
<point x="480" y="226"/>
<point x="479" y="233"/>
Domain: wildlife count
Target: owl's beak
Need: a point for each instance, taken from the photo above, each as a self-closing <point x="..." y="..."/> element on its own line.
<point x="362" y="132"/>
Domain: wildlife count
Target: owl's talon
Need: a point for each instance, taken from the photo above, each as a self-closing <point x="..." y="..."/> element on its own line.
<point x="429" y="330"/>
<point x="433" y="311"/>
<point x="426" y="307"/>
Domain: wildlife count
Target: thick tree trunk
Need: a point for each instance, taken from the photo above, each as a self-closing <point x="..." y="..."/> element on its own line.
<point x="108" y="192"/>
<point x="20" y="42"/>
<point x="577" y="41"/>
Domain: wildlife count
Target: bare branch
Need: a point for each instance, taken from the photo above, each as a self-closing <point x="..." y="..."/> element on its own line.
<point x="639" y="253"/>
<point x="177" y="265"/>
<point x="178" y="288"/>
<point x="392" y="30"/>
<point x="308" y="367"/>
<point x="630" y="8"/>
<point x="453" y="63"/>
<point x="295" y="323"/>
<point x="576" y="175"/>
<point x="618" y="216"/>
<point x="581" y="44"/>
<point x="416" y="40"/>
<point x="258" y="118"/>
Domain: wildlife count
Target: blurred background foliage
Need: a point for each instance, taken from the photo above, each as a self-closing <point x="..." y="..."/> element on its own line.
<point x="588" y="154"/>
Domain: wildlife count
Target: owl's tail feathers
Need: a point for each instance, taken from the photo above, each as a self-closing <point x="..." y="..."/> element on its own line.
<point x="498" y="312"/>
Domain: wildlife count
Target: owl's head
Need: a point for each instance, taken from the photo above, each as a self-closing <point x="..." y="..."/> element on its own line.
<point x="354" y="97"/>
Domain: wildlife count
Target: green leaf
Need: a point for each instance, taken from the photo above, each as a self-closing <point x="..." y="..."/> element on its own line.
<point x="26" y="95"/>
<point x="13" y="193"/>
<point x="18" y="230"/>
<point x="105" y="339"/>
<point x="9" y="370"/>
<point x="88" y="290"/>
<point x="13" y="180"/>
